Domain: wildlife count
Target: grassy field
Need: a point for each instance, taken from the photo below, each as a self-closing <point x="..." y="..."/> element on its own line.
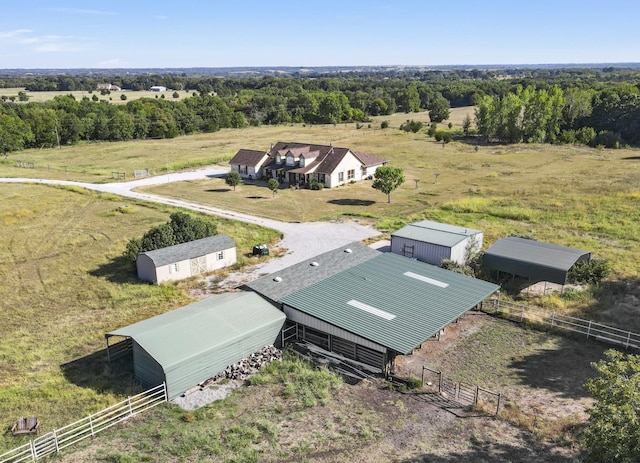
<point x="64" y="285"/>
<point x="113" y="97"/>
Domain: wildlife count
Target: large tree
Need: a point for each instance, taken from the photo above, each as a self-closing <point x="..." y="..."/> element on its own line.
<point x="439" y="109"/>
<point x="388" y="179"/>
<point x="613" y="433"/>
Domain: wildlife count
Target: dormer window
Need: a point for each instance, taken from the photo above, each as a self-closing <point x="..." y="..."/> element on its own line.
<point x="291" y="161"/>
<point x="301" y="161"/>
<point x="278" y="159"/>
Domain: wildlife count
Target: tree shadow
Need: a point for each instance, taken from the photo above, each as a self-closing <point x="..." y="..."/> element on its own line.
<point x="95" y="372"/>
<point x="218" y="190"/>
<point x="631" y="158"/>
<point x="351" y="202"/>
<point x="562" y="370"/>
<point x="256" y="197"/>
<point x="117" y="270"/>
<point x="525" y="449"/>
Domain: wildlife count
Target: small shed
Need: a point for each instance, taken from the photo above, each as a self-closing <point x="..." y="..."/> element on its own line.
<point x="187" y="259"/>
<point x="431" y="242"/>
<point x="534" y="260"/>
<point x="189" y="345"/>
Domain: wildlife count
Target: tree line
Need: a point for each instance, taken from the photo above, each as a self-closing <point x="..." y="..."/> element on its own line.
<point x="569" y="106"/>
<point x="608" y="118"/>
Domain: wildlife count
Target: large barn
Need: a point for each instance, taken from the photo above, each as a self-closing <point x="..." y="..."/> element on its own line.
<point x="189" y="345"/>
<point x="531" y="259"/>
<point x="431" y="242"/>
<point x="368" y="306"/>
<point x="187" y="259"/>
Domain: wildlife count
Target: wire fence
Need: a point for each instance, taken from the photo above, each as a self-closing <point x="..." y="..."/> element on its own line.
<point x="537" y="316"/>
<point x="58" y="439"/>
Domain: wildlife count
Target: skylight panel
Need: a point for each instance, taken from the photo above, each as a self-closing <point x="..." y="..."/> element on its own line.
<point x="370" y="309"/>
<point x="424" y="279"/>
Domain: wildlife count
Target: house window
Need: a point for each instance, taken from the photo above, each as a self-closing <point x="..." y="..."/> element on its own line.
<point x="351" y="174"/>
<point x="173" y="268"/>
<point x="301" y="161"/>
<point x="341" y="176"/>
<point x="245" y="170"/>
<point x="278" y="159"/>
<point x="291" y="161"/>
<point x="221" y="255"/>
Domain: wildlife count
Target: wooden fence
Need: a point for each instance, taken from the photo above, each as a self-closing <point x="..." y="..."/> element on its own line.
<point x="535" y="315"/>
<point x="58" y="439"/>
<point x="463" y="393"/>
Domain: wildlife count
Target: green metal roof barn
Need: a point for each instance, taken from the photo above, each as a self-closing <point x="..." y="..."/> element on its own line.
<point x="187" y="346"/>
<point x="387" y="302"/>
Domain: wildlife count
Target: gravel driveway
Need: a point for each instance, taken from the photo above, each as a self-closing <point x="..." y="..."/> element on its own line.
<point x="301" y="240"/>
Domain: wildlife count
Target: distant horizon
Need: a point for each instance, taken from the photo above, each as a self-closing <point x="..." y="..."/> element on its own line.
<point x="487" y="66"/>
<point x="119" y="34"/>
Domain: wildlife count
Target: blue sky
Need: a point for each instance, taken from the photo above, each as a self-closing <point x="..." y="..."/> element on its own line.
<point x="212" y="33"/>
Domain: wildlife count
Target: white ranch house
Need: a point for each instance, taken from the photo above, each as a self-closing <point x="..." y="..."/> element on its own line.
<point x="186" y="260"/>
<point x="299" y="163"/>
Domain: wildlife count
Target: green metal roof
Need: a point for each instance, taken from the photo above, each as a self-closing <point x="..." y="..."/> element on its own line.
<point x="392" y="300"/>
<point x="436" y="233"/>
<point x="173" y="337"/>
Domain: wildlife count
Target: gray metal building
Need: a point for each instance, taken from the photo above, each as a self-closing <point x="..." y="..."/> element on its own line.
<point x="369" y="306"/>
<point x="431" y="242"/>
<point x="187" y="346"/>
<point x="534" y="260"/>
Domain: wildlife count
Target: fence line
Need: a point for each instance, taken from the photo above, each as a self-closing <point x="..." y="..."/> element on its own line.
<point x="58" y="439"/>
<point x="591" y="329"/>
<point x="463" y="393"/>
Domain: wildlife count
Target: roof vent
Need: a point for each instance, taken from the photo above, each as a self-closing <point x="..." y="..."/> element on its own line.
<point x="348" y="251"/>
<point x="277" y="279"/>
<point x="314" y="264"/>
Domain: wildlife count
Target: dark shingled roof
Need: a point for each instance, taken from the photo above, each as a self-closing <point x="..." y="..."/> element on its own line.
<point x="303" y="274"/>
<point x="327" y="159"/>
<point x="369" y="159"/>
<point x="248" y="157"/>
<point x="190" y="249"/>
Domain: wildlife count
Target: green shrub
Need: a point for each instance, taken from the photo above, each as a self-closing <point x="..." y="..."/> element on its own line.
<point x="591" y="272"/>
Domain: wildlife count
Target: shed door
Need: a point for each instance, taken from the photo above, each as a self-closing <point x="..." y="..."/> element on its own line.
<point x="198" y="265"/>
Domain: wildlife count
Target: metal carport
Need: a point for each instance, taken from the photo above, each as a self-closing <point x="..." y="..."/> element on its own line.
<point x="188" y="345"/>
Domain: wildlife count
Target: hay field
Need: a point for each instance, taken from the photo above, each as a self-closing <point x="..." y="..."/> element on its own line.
<point x="113" y="97"/>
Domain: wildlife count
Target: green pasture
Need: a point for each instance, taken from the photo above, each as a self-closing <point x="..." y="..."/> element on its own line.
<point x="113" y="98"/>
<point x="64" y="285"/>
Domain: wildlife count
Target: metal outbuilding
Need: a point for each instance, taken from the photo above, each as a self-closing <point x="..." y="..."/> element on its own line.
<point x="431" y="242"/>
<point x="189" y="345"/>
<point x="186" y="259"/>
<point x="372" y="307"/>
<point x="535" y="260"/>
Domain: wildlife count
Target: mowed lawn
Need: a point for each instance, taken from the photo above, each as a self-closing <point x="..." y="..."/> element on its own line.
<point x="64" y="285"/>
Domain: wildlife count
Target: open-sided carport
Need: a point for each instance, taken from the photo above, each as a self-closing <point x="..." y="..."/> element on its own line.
<point x="187" y="346"/>
<point x="534" y="260"/>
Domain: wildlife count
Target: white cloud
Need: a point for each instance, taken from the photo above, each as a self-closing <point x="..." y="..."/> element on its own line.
<point x="15" y="33"/>
<point x="83" y="11"/>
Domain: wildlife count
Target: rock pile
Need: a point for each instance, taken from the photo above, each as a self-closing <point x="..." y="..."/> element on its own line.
<point x="247" y="366"/>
